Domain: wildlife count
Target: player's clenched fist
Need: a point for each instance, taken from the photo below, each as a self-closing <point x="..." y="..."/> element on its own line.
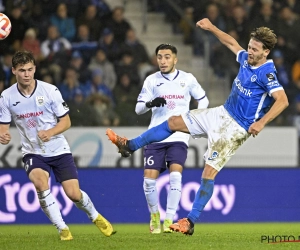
<point x="5" y="138"/>
<point x="204" y="24"/>
<point x="44" y="135"/>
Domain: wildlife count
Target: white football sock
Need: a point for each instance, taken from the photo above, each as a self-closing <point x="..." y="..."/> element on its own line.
<point x="51" y="209"/>
<point x="85" y="204"/>
<point x="151" y="194"/>
<point x="173" y="195"/>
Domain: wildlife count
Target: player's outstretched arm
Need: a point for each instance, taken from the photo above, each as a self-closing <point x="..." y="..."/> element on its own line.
<point x="224" y="38"/>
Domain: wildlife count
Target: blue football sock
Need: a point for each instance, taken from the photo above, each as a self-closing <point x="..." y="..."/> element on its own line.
<point x="155" y="134"/>
<point x="202" y="197"/>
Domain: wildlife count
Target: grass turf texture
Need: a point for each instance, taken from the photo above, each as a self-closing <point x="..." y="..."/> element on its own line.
<point x="137" y="236"/>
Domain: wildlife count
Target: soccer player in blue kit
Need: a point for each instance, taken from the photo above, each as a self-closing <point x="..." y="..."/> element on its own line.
<point x="41" y="116"/>
<point x="256" y="98"/>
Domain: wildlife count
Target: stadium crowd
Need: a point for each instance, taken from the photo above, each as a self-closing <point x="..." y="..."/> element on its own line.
<point x="92" y="54"/>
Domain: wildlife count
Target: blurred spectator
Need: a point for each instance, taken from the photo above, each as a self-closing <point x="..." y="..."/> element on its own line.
<point x="6" y="74"/>
<point x="70" y="84"/>
<point x="288" y="34"/>
<point x="39" y="21"/>
<point x="81" y="113"/>
<point x="133" y="46"/>
<point x="24" y="5"/>
<point x="150" y="69"/>
<point x="99" y="61"/>
<point x="283" y="71"/>
<point x="266" y="18"/>
<point x="19" y="26"/>
<point x="48" y="7"/>
<point x="239" y="23"/>
<point x="90" y="19"/>
<point x="213" y="14"/>
<point x="55" y="50"/>
<point x="31" y="43"/>
<point x="103" y="10"/>
<point x="47" y="78"/>
<point x="108" y="44"/>
<point x="84" y="43"/>
<point x="79" y="65"/>
<point x="126" y="95"/>
<point x="65" y="25"/>
<point x="99" y="86"/>
<point x="103" y="110"/>
<point x="118" y="25"/>
<point x="126" y="65"/>
<point x="185" y="25"/>
<point x="75" y="7"/>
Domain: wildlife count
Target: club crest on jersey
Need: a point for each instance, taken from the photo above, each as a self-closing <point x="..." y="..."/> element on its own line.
<point x="214" y="155"/>
<point x="40" y="100"/>
<point x="270" y="77"/>
<point x="253" y="78"/>
<point x="182" y="84"/>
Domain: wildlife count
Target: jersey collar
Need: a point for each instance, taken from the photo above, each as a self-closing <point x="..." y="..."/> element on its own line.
<point x="32" y="91"/>
<point x="167" y="76"/>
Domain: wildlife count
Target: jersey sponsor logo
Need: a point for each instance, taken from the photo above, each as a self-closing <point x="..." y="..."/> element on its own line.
<point x="214" y="155"/>
<point x="40" y="100"/>
<point x="173" y="96"/>
<point x="15" y="104"/>
<point x="159" y="84"/>
<point x="253" y="78"/>
<point x="273" y="84"/>
<point x="31" y="123"/>
<point x="171" y="105"/>
<point x="65" y="105"/>
<point x="245" y="91"/>
<point x="270" y="77"/>
<point x="28" y="115"/>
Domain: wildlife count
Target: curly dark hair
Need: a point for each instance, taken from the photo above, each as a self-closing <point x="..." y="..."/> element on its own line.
<point x="22" y="57"/>
<point x="266" y="36"/>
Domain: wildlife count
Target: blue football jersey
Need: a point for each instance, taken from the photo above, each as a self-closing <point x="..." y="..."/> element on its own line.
<point x="251" y="92"/>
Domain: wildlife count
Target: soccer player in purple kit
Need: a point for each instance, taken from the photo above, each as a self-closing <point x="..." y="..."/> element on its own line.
<point x="256" y="98"/>
<point x="166" y="93"/>
<point x="41" y="116"/>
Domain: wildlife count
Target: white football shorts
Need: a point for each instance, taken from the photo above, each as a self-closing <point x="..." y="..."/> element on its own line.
<point x="224" y="134"/>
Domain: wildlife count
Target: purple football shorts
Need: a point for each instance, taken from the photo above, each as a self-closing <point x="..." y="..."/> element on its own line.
<point x="63" y="166"/>
<point x="160" y="156"/>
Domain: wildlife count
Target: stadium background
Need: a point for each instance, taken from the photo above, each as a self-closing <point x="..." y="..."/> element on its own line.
<point x="260" y="184"/>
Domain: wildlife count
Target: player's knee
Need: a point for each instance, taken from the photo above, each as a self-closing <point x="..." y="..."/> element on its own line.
<point x="174" y="123"/>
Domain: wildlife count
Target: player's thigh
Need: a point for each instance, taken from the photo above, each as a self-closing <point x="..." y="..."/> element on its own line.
<point x="154" y="157"/>
<point x="176" y="123"/>
<point x="38" y="171"/>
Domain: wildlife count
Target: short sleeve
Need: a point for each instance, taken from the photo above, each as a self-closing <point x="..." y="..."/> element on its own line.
<point x="5" y="115"/>
<point x="59" y="106"/>
<point x="196" y="90"/>
<point x="242" y="56"/>
<point x="270" y="82"/>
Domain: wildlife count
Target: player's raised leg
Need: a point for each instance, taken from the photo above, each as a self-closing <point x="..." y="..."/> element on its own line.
<point x="158" y="133"/>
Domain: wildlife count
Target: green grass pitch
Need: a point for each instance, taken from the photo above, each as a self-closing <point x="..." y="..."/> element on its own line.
<point x="136" y="236"/>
